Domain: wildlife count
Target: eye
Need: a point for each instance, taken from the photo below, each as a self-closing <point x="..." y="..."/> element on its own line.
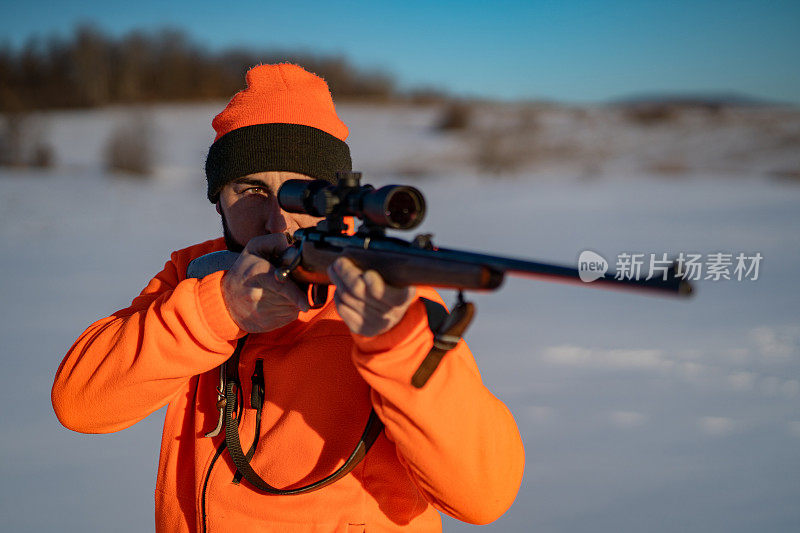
<point x="256" y="190"/>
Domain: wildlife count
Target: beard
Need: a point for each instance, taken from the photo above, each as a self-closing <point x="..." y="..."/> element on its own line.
<point x="230" y="242"/>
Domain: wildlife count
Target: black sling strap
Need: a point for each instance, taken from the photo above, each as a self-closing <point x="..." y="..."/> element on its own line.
<point x="230" y="388"/>
<point x="256" y="402"/>
<point x="242" y="462"/>
<point x="447" y="332"/>
<point x="447" y="329"/>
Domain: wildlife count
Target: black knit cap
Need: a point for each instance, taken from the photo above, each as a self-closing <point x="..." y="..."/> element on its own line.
<point x="277" y="146"/>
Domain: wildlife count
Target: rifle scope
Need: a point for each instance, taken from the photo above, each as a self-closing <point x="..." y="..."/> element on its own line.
<point x="391" y="206"/>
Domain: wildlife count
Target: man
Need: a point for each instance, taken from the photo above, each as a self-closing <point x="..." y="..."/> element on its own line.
<point x="450" y="445"/>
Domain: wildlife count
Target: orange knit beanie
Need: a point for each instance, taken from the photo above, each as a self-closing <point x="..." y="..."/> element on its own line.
<point x="283" y="120"/>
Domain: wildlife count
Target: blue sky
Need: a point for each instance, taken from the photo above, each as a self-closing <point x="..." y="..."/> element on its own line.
<point x="578" y="51"/>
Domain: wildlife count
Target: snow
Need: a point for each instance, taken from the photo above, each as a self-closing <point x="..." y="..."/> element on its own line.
<point x="638" y="413"/>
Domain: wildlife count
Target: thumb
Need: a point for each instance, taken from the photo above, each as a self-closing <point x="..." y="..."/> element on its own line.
<point x="267" y="246"/>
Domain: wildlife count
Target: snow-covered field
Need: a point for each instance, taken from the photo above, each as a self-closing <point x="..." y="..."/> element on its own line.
<point x="638" y="413"/>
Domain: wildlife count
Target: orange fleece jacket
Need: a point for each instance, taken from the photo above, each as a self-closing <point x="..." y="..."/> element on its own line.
<point x="451" y="445"/>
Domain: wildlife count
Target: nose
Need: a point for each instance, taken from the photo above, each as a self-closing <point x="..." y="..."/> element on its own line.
<point x="290" y="223"/>
<point x="280" y="221"/>
<point x="276" y="222"/>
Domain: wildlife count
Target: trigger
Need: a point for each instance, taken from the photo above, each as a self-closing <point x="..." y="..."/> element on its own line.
<point x="318" y="294"/>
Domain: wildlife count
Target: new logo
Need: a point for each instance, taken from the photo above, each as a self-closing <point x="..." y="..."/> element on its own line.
<point x="591" y="266"/>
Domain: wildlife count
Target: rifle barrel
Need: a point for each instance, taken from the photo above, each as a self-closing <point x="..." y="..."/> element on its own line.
<point x="669" y="284"/>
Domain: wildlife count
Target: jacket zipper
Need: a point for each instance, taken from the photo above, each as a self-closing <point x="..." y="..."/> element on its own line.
<point x="220" y="449"/>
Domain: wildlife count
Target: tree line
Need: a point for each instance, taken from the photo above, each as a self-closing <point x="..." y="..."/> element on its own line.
<point x="91" y="69"/>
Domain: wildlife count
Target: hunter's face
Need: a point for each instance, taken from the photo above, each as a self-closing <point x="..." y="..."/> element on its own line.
<point x="249" y="208"/>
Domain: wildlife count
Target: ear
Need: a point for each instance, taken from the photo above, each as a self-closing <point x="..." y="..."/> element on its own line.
<point x="219" y="208"/>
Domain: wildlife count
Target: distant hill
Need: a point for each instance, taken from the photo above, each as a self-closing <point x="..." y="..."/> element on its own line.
<point x="704" y="100"/>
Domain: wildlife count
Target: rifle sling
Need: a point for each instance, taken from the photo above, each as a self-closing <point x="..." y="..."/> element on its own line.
<point x="447" y="331"/>
<point x="232" y="387"/>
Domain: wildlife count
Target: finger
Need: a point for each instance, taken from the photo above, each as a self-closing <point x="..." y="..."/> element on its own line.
<point x="345" y="285"/>
<point x="361" y="304"/>
<point x="350" y="276"/>
<point x="370" y="285"/>
<point x="267" y="246"/>
<point x="352" y="317"/>
<point x="378" y="289"/>
<point x="287" y="290"/>
<point x="368" y="325"/>
<point x="375" y="285"/>
<point x="354" y="285"/>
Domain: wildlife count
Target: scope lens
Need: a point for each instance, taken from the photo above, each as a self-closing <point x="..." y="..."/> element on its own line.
<point x="403" y="208"/>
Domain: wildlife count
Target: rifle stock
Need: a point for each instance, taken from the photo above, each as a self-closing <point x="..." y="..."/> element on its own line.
<point x="397" y="268"/>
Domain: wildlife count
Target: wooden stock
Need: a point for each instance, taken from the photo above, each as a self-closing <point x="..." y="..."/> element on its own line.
<point x="398" y="269"/>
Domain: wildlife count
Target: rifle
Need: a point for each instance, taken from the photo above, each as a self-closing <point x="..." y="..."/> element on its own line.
<point x="402" y="263"/>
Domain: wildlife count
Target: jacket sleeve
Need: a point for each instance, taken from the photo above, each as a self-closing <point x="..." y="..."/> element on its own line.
<point x="128" y="365"/>
<point x="458" y="442"/>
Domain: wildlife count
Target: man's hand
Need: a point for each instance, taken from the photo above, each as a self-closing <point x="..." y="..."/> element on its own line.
<point x="256" y="300"/>
<point x="365" y="302"/>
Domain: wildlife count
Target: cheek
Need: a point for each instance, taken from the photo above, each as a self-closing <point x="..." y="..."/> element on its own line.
<point x="246" y="219"/>
<point x="308" y="221"/>
<point x="304" y="221"/>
